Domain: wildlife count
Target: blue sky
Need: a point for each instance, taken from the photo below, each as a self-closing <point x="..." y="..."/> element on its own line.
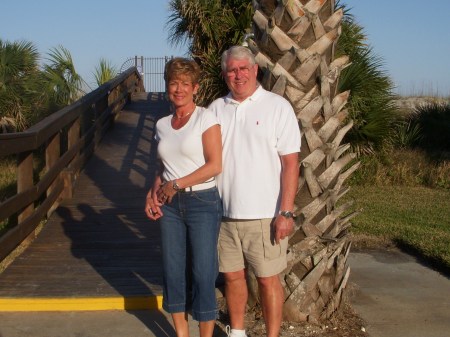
<point x="412" y="37"/>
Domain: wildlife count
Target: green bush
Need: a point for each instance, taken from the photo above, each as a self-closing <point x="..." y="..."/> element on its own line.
<point x="433" y="120"/>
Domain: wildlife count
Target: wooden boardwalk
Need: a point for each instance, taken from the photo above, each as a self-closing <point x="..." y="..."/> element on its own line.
<point x="98" y="250"/>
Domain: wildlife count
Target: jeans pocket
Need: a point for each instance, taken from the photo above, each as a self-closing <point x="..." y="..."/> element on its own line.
<point x="209" y="196"/>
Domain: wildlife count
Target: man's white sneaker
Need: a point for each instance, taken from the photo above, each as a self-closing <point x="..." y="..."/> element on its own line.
<point x="231" y="333"/>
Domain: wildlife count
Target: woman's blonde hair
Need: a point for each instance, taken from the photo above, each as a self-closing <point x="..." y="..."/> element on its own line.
<point x="179" y="66"/>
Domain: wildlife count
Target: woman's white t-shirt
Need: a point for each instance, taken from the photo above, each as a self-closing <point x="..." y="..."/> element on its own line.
<point x="181" y="151"/>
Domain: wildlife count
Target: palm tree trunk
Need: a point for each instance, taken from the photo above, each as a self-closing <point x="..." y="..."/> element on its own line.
<point x="294" y="45"/>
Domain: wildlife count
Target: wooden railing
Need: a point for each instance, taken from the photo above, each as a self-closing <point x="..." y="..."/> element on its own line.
<point x="64" y="140"/>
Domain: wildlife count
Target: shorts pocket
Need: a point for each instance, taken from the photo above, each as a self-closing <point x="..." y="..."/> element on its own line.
<point x="272" y="250"/>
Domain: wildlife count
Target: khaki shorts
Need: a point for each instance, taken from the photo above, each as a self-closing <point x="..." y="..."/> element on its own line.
<point x="251" y="243"/>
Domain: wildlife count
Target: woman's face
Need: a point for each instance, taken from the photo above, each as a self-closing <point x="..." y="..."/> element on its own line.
<point x="181" y="90"/>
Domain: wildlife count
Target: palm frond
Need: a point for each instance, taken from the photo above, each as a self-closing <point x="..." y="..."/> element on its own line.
<point x="104" y="72"/>
<point x="64" y="82"/>
<point x="21" y="95"/>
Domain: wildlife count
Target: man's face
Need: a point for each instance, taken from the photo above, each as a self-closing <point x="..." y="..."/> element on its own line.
<point x="240" y="77"/>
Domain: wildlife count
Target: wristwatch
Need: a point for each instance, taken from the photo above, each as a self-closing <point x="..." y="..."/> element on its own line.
<point x="287" y="214"/>
<point x="175" y="185"/>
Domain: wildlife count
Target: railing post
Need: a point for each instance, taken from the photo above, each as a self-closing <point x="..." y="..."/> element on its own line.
<point x="25" y="181"/>
<point x="70" y="174"/>
<point x="52" y="154"/>
<point x="100" y="106"/>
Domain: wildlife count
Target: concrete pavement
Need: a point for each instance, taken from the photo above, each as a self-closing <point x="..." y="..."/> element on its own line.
<point x="145" y="323"/>
<point x="399" y="297"/>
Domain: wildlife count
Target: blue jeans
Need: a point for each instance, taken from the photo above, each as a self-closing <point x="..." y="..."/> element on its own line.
<point x="189" y="229"/>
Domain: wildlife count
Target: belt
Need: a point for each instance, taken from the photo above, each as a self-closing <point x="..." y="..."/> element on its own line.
<point x="199" y="187"/>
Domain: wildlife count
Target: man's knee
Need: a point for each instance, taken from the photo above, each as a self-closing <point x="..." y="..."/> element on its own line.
<point x="269" y="282"/>
<point x="235" y="276"/>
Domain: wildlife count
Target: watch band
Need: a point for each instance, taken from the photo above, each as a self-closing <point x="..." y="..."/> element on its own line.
<point x="175" y="185"/>
<point x="287" y="214"/>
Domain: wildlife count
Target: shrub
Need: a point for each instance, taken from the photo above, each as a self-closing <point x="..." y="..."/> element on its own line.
<point x="433" y="120"/>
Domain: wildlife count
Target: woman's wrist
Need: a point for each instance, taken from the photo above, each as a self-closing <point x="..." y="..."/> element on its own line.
<point x="175" y="185"/>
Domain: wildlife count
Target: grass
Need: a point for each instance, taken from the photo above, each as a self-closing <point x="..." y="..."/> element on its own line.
<point x="7" y="178"/>
<point x="404" y="167"/>
<point x="416" y="219"/>
<point x="7" y="185"/>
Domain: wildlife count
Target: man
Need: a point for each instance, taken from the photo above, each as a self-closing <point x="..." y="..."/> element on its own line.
<point x="261" y="142"/>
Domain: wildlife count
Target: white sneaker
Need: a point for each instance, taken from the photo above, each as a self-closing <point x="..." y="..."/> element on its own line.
<point x="232" y="334"/>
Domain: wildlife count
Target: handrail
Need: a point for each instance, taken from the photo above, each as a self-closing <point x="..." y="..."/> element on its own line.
<point x="68" y="137"/>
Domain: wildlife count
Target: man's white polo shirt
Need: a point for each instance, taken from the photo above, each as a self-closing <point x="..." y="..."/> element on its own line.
<point x="255" y="133"/>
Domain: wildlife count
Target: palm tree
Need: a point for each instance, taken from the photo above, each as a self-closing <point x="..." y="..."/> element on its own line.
<point x="104" y="72"/>
<point x="21" y="95"/>
<point x="64" y="83"/>
<point x="295" y="46"/>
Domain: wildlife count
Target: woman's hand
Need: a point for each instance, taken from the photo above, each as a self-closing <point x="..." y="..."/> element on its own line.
<point x="166" y="192"/>
<point x="152" y="206"/>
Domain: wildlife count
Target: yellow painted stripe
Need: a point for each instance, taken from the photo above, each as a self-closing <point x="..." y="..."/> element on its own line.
<point x="81" y="304"/>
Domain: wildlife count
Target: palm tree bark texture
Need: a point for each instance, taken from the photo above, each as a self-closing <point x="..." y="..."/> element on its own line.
<point x="294" y="42"/>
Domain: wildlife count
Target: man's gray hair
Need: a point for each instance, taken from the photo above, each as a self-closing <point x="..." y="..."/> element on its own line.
<point x="237" y="52"/>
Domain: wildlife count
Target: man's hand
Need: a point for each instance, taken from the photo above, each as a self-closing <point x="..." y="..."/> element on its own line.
<point x="283" y="227"/>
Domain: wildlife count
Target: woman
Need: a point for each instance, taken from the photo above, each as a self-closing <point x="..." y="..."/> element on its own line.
<point x="185" y="199"/>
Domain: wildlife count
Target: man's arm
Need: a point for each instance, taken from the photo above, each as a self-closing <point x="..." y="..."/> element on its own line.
<point x="289" y="184"/>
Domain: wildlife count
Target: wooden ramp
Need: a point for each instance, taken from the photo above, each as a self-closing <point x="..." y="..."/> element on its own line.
<point x="98" y="251"/>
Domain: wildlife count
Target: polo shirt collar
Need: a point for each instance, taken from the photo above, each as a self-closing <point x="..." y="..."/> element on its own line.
<point x="254" y="97"/>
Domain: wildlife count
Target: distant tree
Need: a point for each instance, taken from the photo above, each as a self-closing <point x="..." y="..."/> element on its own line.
<point x="104" y="72"/>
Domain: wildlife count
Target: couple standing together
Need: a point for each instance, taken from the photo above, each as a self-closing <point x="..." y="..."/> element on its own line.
<point x="224" y="194"/>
